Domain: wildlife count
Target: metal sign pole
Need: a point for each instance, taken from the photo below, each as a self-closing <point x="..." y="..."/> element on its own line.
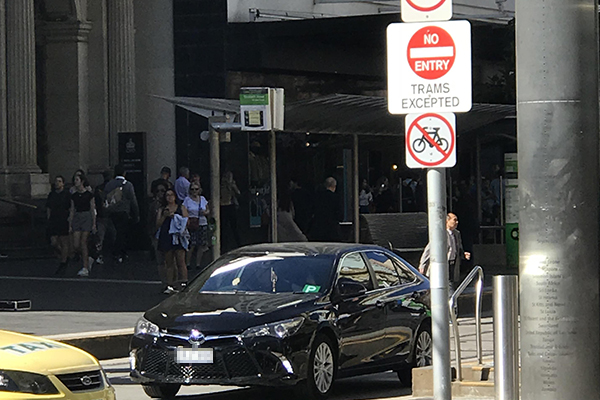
<point x="273" y="164"/>
<point x="438" y="245"/>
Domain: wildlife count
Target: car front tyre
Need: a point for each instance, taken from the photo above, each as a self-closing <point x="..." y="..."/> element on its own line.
<point x="164" y="391"/>
<point x="422" y="354"/>
<point x="322" y="369"/>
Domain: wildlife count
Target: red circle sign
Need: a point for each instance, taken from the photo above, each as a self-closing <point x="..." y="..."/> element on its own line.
<point x="431" y="52"/>
<point x="425" y="8"/>
<point x="445" y="150"/>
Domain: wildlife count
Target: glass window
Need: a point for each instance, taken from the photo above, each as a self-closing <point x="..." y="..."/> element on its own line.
<point x="384" y="268"/>
<point x="353" y="267"/>
<point x="404" y="272"/>
<point x="274" y="273"/>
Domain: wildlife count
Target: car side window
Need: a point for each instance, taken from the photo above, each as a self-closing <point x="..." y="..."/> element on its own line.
<point x="404" y="272"/>
<point x="384" y="268"/>
<point x="353" y="267"/>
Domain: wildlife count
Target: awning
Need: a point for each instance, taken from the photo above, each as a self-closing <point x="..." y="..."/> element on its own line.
<point x="345" y="114"/>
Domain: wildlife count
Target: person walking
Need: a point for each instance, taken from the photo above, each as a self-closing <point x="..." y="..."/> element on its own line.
<point x="171" y="220"/>
<point x="103" y="224"/>
<point x="82" y="220"/>
<point x="165" y="179"/>
<point x="182" y="184"/>
<point x="197" y="207"/>
<point x="121" y="206"/>
<point x="154" y="205"/>
<point x="229" y="204"/>
<point x="58" y="206"/>
<point x="287" y="229"/>
<point x="326" y="221"/>
<point x="365" y="198"/>
<point x="456" y="252"/>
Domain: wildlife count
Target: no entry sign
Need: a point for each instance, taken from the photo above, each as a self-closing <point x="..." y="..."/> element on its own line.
<point x="429" y="67"/>
<point x="430" y="140"/>
<point x="426" y="10"/>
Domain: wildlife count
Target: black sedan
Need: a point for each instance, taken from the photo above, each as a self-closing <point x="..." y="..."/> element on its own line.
<point x="287" y="314"/>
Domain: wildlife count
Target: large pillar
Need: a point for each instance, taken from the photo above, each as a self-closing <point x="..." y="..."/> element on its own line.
<point x="22" y="175"/>
<point x="66" y="95"/>
<point x="3" y="131"/>
<point x="155" y="76"/>
<point x="121" y="72"/>
<point x="557" y="108"/>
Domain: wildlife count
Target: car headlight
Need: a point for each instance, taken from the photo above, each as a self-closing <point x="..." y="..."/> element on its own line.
<point x="279" y="329"/>
<point x="25" y="382"/>
<point x="145" y="327"/>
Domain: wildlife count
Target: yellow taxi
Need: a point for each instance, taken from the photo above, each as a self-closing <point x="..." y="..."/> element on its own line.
<point x="32" y="367"/>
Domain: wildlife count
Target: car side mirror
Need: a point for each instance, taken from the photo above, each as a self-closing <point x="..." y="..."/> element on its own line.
<point x="348" y="288"/>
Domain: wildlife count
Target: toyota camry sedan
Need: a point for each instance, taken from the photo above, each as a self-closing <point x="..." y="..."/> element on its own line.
<point x="287" y="314"/>
<point x="37" y="368"/>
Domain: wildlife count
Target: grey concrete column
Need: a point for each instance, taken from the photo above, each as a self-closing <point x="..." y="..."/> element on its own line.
<point x="121" y="72"/>
<point x="155" y="76"/>
<point x="3" y="131"/>
<point x="66" y="95"/>
<point x="557" y="109"/>
<point x="20" y="78"/>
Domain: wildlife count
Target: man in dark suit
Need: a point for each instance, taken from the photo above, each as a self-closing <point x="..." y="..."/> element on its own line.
<point x="456" y="251"/>
<point x="326" y="222"/>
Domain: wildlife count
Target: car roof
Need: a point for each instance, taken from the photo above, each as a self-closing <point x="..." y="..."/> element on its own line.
<point x="308" y="248"/>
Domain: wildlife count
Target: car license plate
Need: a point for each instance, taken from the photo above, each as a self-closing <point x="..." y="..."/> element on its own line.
<point x="194" y="356"/>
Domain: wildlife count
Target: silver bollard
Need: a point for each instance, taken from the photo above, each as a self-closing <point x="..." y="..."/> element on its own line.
<point x="506" y="337"/>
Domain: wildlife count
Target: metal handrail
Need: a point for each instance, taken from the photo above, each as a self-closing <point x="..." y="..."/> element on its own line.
<point x="476" y="271"/>
<point x="18" y="203"/>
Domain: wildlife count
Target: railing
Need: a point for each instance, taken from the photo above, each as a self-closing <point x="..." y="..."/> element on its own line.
<point x="477" y="271"/>
<point x="18" y="203"/>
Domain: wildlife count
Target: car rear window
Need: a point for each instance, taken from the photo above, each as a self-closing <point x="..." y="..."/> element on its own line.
<point x="269" y="273"/>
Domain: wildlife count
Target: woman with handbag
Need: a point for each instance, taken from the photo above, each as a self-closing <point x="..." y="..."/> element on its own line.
<point x="197" y="207"/>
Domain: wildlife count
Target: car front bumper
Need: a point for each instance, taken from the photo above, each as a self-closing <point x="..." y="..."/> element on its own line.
<point x="264" y="361"/>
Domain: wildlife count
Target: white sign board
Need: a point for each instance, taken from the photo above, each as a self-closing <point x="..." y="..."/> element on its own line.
<point x="430" y="140"/>
<point x="425" y="10"/>
<point x="429" y="67"/>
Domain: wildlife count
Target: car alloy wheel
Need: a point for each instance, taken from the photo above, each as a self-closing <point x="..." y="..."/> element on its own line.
<point x="323" y="367"/>
<point x="422" y="354"/>
<point x="322" y="370"/>
<point x="423" y="349"/>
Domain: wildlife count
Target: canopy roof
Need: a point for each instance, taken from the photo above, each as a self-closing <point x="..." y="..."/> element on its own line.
<point x="345" y="114"/>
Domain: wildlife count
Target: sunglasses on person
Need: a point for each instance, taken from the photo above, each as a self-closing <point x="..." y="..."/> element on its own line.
<point x="194" y="188"/>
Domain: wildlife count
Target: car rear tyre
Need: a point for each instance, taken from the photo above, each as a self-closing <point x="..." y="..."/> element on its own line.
<point x="165" y="391"/>
<point x="322" y="370"/>
<point x="422" y="354"/>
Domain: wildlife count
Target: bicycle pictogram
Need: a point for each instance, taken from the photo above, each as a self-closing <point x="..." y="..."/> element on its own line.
<point x="420" y="144"/>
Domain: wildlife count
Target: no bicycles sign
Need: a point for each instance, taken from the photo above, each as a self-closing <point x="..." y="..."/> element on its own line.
<point x="430" y="140"/>
<point x="425" y="10"/>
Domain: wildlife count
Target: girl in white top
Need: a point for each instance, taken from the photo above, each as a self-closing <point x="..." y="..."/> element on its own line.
<point x="197" y="207"/>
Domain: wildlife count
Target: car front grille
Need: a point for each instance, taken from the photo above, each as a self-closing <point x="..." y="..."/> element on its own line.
<point x="82" y="381"/>
<point x="228" y="363"/>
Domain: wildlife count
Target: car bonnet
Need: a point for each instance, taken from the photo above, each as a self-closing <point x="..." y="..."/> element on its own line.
<point x="35" y="354"/>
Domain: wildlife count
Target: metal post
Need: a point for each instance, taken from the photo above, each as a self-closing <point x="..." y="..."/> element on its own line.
<point x="273" y="164"/>
<point x="356" y="214"/>
<point x="215" y="189"/>
<point x="557" y="127"/>
<point x="436" y="196"/>
<point x="506" y="337"/>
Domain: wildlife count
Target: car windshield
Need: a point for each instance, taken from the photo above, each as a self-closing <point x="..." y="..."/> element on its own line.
<point x="269" y="273"/>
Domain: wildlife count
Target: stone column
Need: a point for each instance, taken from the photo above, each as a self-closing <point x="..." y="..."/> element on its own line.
<point x="20" y="53"/>
<point x="3" y="133"/>
<point x="22" y="177"/>
<point x="66" y="95"/>
<point x="121" y="72"/>
<point x="155" y="76"/>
